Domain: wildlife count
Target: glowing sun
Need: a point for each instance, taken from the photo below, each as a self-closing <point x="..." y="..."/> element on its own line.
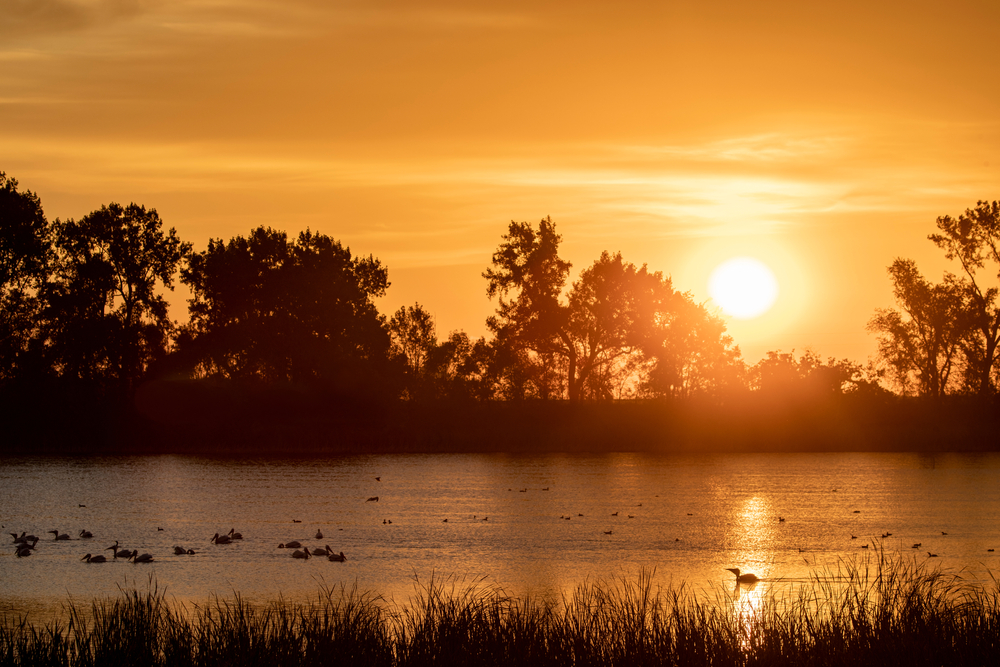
<point x="743" y="287"/>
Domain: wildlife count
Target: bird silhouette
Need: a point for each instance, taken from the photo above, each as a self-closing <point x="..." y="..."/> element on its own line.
<point x="747" y="578"/>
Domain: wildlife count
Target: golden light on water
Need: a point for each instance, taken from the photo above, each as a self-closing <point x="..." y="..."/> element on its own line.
<point x="753" y="539"/>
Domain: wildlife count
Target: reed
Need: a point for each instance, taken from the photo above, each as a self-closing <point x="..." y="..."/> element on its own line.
<point x="881" y="609"/>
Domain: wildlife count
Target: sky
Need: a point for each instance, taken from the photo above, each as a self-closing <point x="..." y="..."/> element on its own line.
<point x="823" y="139"/>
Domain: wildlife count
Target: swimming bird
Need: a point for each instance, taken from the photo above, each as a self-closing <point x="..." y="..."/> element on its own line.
<point x="607" y="532"/>
<point x="22" y="551"/>
<point x="378" y="479"/>
<point x="917" y="545"/>
<point x="943" y="533"/>
<point x="930" y="555"/>
<point x="319" y="534"/>
<point x="119" y="553"/>
<point x="294" y="544"/>
<point x="989" y="550"/>
<point x="319" y="552"/>
<point x="233" y="535"/>
<point x="373" y="499"/>
<point x="300" y="554"/>
<point x="144" y="558"/>
<point x="59" y="536"/>
<point x="180" y="551"/>
<point x="296" y="520"/>
<point x="86" y="534"/>
<point x="747" y="578"/>
<point x="95" y="559"/>
<point x="221" y="539"/>
<point x="335" y="558"/>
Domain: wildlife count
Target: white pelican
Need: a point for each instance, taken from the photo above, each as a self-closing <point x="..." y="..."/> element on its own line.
<point x="319" y="534"/>
<point x="294" y="544"/>
<point x="319" y="552"/>
<point x="59" y="536"/>
<point x="334" y="558"/>
<point x="144" y="558"/>
<point x="233" y="535"/>
<point x="221" y="539"/>
<point x="22" y="551"/>
<point x="747" y="578"/>
<point x="86" y="534"/>
<point x="95" y="559"/>
<point x="180" y="551"/>
<point x="300" y="554"/>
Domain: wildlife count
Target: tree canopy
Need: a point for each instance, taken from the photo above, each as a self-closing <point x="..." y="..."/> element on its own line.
<point x="269" y="309"/>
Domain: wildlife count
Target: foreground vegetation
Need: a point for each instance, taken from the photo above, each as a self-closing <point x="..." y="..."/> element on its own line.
<point x="887" y="610"/>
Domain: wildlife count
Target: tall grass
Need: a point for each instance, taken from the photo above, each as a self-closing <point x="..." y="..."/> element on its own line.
<point x="880" y="610"/>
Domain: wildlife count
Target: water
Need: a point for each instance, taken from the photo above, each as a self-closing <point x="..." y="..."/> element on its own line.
<point x="531" y="524"/>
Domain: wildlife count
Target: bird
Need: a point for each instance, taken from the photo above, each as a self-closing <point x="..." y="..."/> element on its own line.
<point x="180" y="551"/>
<point x="233" y="535"/>
<point x="614" y="514"/>
<point x="124" y="553"/>
<point x="781" y="519"/>
<point x="930" y="555"/>
<point x="294" y="544"/>
<point x="319" y="552"/>
<point x="86" y="534"/>
<point x="79" y="505"/>
<point x="144" y="558"/>
<point x="373" y="499"/>
<point x="334" y="558"/>
<point x="296" y="520"/>
<point x="22" y="551"/>
<point x="158" y="529"/>
<point x="378" y="479"/>
<point x="989" y="550"/>
<point x="864" y="546"/>
<point x="943" y="533"/>
<point x="221" y="539"/>
<point x="59" y="536"/>
<point x="747" y="578"/>
<point x="95" y="559"/>
<point x="319" y="534"/>
<point x="917" y="545"/>
<point x="607" y="532"/>
<point x="854" y="537"/>
<point x="300" y="554"/>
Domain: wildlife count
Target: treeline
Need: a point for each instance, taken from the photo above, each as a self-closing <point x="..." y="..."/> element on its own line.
<point x="283" y="344"/>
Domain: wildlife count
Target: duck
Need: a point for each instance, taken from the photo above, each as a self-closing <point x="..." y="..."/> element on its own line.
<point x="95" y="559"/>
<point x="221" y="539"/>
<point x="59" y="536"/>
<point x="294" y="544"/>
<point x="86" y="534"/>
<point x="747" y="578"/>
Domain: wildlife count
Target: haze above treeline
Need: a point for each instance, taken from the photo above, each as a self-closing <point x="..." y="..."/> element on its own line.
<point x="280" y="323"/>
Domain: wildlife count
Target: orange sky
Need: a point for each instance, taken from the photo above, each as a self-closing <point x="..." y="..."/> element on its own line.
<point x="823" y="141"/>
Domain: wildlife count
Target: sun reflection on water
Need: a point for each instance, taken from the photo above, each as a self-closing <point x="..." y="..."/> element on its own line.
<point x="752" y="550"/>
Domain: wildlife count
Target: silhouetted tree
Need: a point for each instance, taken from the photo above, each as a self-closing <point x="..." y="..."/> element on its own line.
<point x="105" y="319"/>
<point x="974" y="240"/>
<point x="264" y="308"/>
<point x="413" y="337"/>
<point x="617" y="323"/>
<point x="921" y="343"/>
<point x="689" y="353"/>
<point x="25" y="258"/>
<point x="808" y="377"/>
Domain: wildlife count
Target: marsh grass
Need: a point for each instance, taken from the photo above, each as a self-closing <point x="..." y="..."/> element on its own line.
<point x="883" y="609"/>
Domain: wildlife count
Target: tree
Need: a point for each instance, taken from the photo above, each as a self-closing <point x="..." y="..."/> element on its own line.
<point x="921" y="343"/>
<point x="808" y="377"/>
<point x="411" y="329"/>
<point x="25" y="258"/>
<point x="690" y="353"/>
<point x="617" y="323"/>
<point x="105" y="318"/>
<point x="267" y="309"/>
<point x="974" y="240"/>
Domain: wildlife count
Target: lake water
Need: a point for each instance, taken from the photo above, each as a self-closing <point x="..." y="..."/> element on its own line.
<point x="531" y="524"/>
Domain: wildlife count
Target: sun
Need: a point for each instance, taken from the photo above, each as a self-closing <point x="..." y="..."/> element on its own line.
<point x="743" y="287"/>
